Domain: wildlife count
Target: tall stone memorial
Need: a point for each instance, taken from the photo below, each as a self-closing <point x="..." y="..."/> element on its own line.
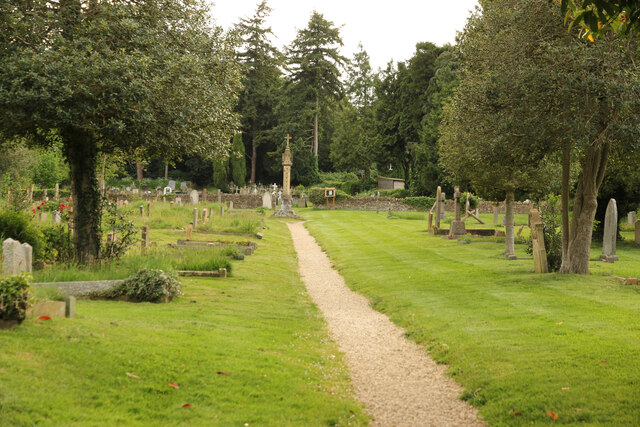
<point x="287" y="201"/>
<point x="438" y="206"/>
<point x="610" y="232"/>
<point x="540" y="263"/>
<point x="457" y="227"/>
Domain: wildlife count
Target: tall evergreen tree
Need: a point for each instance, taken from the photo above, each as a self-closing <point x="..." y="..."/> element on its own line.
<point x="237" y="162"/>
<point x="314" y="87"/>
<point x="262" y="82"/>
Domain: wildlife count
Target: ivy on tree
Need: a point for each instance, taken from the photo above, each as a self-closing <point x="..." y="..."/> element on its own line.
<point x="115" y="75"/>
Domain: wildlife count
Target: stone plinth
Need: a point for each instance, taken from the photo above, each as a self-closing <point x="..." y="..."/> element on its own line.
<point x="285" y="210"/>
<point x="457" y="228"/>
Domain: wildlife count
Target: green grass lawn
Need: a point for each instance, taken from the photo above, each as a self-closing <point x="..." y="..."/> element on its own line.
<point x="521" y="344"/>
<point x="259" y="326"/>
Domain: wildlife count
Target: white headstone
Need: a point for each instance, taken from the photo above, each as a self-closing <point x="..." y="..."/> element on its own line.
<point x="16" y="257"/>
<point x="183" y="186"/>
<point x="172" y="185"/>
<point x="195" y="198"/>
<point x="266" y="200"/>
<point x="631" y="218"/>
<point x="167" y="190"/>
<point x="610" y="232"/>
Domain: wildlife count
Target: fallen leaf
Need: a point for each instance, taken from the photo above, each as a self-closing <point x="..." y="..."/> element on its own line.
<point x="604" y="362"/>
<point x="577" y="409"/>
<point x="103" y="335"/>
<point x="517" y="414"/>
<point x="201" y="309"/>
<point x="552" y="415"/>
<point x="565" y="388"/>
<point x="559" y="323"/>
<point x="129" y="374"/>
<point x="187" y="405"/>
<point x="174" y="385"/>
<point x="223" y="373"/>
<point x="44" y="318"/>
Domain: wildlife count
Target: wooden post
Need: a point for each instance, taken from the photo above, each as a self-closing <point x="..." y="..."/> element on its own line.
<point x="145" y="238"/>
<point x="141" y="210"/>
<point x="195" y="218"/>
<point x="148" y="208"/>
<point x="189" y="230"/>
<point x="430" y="226"/>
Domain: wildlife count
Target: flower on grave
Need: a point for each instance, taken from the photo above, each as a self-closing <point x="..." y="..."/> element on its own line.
<point x="34" y="211"/>
<point x="42" y="203"/>
<point x="38" y="207"/>
<point x="191" y="184"/>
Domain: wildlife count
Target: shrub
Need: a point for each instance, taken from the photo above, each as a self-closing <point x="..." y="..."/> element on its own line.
<point x="316" y="195"/>
<point x="58" y="244"/>
<point x="337" y="176"/>
<point x="116" y="221"/>
<point x="148" y="286"/>
<point x="17" y="226"/>
<point x="50" y="169"/>
<point x="422" y="203"/>
<point x="550" y="213"/>
<point x="15" y="297"/>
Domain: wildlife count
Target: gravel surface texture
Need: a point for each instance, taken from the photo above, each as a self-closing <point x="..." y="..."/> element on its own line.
<point x="396" y="380"/>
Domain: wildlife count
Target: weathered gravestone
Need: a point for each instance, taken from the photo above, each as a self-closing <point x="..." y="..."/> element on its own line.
<point x="610" y="233"/>
<point x="183" y="187"/>
<point x="16" y="257"/>
<point x="179" y="201"/>
<point x="266" y="200"/>
<point x="631" y="218"/>
<point x="194" y="197"/>
<point x="540" y="264"/>
<point x="457" y="227"/>
<point x="172" y="185"/>
<point x="195" y="218"/>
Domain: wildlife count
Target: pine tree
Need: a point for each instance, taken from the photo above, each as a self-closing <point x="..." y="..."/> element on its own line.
<point x="262" y="78"/>
<point x="237" y="162"/>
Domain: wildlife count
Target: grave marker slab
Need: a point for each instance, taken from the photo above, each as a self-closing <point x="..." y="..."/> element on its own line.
<point x="610" y="233"/>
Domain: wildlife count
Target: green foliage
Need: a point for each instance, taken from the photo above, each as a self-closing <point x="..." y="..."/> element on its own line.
<point x="550" y="213"/>
<point x="17" y="226"/>
<point x="116" y="221"/>
<point x="237" y="162"/>
<point x="57" y="244"/>
<point x="221" y="174"/>
<point x="15" y="296"/>
<point x="599" y="17"/>
<point x="316" y="196"/>
<point x="51" y="169"/>
<point x="47" y="293"/>
<point x="326" y="177"/>
<point x="148" y="286"/>
<point x="420" y="202"/>
<point x="399" y="193"/>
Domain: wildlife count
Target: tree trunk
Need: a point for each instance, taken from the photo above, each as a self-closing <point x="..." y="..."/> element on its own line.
<point x="566" y="170"/>
<point x="365" y="176"/>
<point x="139" y="169"/>
<point x="254" y="160"/>
<point x="509" y="241"/>
<point x="315" y="130"/>
<point x="584" y="209"/>
<point x="82" y="156"/>
<point x="166" y="171"/>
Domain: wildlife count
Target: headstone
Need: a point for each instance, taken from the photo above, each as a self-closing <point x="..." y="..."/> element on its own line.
<point x="172" y="185"/>
<point x="45" y="194"/>
<point x="57" y="193"/>
<point x="42" y="216"/>
<point x="610" y="232"/>
<point x="178" y="201"/>
<point x="16" y="257"/>
<point x="70" y="306"/>
<point x="631" y="218"/>
<point x="457" y="227"/>
<point x="167" y="190"/>
<point x="266" y="200"/>
<point x="230" y="205"/>
<point x="496" y="216"/>
<point x="135" y="191"/>
<point x="194" y="197"/>
<point x="219" y="196"/>
<point x="183" y="186"/>
<point x="638" y="232"/>
<point x="195" y="218"/>
<point x="221" y="210"/>
<point x="540" y="264"/>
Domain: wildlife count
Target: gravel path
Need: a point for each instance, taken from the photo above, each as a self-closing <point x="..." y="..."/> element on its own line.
<point x="399" y="384"/>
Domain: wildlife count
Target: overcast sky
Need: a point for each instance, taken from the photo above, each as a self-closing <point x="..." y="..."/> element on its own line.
<point x="387" y="29"/>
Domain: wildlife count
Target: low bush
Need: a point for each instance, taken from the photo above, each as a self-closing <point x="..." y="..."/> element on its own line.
<point x="15" y="297"/>
<point x="57" y="244"/>
<point x="422" y="203"/>
<point x="17" y="226"/>
<point x="148" y="286"/>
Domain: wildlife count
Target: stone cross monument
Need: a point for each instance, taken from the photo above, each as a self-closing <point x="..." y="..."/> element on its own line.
<point x="457" y="227"/>
<point x="287" y="201"/>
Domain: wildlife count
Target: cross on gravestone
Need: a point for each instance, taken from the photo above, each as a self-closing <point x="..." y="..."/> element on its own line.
<point x="610" y="233"/>
<point x="16" y="257"/>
